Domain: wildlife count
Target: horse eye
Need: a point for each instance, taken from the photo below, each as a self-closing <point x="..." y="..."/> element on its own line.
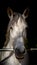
<point x="14" y="15"/>
<point x="27" y="29"/>
<point x="11" y="28"/>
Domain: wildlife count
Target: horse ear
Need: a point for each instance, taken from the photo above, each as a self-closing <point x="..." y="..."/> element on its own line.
<point x="26" y="13"/>
<point x="9" y="12"/>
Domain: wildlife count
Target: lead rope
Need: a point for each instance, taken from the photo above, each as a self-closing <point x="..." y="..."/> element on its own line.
<point x="8" y="56"/>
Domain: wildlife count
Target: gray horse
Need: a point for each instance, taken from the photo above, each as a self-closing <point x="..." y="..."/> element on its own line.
<point x="16" y="39"/>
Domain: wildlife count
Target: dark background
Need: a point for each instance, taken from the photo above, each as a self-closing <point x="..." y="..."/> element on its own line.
<point x="20" y="6"/>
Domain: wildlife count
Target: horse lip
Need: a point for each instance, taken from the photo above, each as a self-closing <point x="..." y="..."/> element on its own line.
<point x="19" y="56"/>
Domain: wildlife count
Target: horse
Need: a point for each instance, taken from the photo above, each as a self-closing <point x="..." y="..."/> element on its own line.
<point x="16" y="38"/>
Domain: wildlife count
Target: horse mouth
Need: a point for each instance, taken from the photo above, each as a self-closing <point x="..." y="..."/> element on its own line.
<point x="20" y="56"/>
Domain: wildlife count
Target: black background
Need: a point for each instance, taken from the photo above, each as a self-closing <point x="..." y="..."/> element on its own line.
<point x="20" y="6"/>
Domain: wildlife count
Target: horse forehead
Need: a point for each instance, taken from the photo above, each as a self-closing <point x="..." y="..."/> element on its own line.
<point x="19" y="26"/>
<point x="21" y="22"/>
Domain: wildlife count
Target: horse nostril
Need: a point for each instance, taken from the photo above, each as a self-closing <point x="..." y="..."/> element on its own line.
<point x="23" y="52"/>
<point x="19" y="52"/>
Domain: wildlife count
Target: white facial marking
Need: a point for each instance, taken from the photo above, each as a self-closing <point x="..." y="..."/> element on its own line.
<point x="21" y="24"/>
<point x="18" y="28"/>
